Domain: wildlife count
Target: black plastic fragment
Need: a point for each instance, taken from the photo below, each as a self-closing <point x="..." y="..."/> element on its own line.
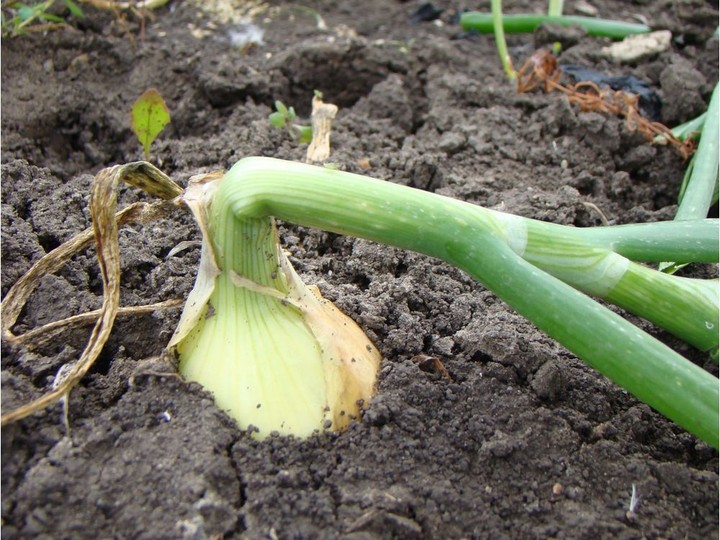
<point x="425" y="13"/>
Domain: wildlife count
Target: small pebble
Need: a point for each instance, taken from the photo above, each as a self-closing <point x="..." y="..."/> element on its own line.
<point x="585" y="8"/>
<point x="452" y="142"/>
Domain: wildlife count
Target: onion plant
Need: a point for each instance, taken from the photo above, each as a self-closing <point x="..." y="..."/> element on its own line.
<point x="275" y="354"/>
<point x="545" y="271"/>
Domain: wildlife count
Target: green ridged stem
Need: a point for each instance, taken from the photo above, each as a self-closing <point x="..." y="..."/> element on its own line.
<point x="485" y="244"/>
<point x="521" y="23"/>
<point x="500" y="41"/>
<point x="687" y="130"/>
<point x="697" y="194"/>
<point x="686" y="307"/>
<point x="555" y="8"/>
<point x="690" y="128"/>
<point x="601" y="272"/>
<point x="684" y="241"/>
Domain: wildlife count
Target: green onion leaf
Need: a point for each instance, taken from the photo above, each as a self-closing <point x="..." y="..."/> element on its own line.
<point x="513" y="24"/>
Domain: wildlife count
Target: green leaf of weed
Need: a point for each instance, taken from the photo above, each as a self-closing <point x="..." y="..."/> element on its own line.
<point x="75" y="10"/>
<point x="51" y="18"/>
<point x="149" y="117"/>
<point x="281" y="108"/>
<point x="305" y="134"/>
<point x="277" y="119"/>
<point x="25" y="12"/>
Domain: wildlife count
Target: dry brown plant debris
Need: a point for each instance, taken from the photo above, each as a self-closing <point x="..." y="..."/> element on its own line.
<point x="542" y="71"/>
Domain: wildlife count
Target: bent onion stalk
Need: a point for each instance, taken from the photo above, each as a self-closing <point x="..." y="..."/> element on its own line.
<point x="542" y="270"/>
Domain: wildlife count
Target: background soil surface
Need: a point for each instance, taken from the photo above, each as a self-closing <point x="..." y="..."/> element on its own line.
<point x="522" y="441"/>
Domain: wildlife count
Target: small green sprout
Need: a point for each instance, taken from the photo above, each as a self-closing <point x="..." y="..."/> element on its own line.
<point x="689" y="130"/>
<point x="284" y="118"/>
<point x="496" y="19"/>
<point x="633" y="504"/>
<point x="35" y="16"/>
<point x="149" y="117"/>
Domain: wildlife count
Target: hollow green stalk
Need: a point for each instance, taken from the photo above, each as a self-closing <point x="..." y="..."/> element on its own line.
<point x="690" y="128"/>
<point x="697" y="195"/>
<point x="700" y="181"/>
<point x="487" y="245"/>
<point x="518" y="24"/>
<point x="649" y="242"/>
<point x="555" y="8"/>
<point x="687" y="130"/>
<point x="601" y="272"/>
<point x="500" y="41"/>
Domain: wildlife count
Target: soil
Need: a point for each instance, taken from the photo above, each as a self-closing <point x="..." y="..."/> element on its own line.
<point x="522" y="440"/>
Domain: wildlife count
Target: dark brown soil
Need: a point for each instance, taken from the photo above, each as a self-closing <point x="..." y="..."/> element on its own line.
<point x="525" y="441"/>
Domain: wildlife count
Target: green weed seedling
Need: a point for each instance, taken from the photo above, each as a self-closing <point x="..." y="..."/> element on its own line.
<point x="284" y="118"/>
<point x="35" y="17"/>
<point x="149" y="117"/>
